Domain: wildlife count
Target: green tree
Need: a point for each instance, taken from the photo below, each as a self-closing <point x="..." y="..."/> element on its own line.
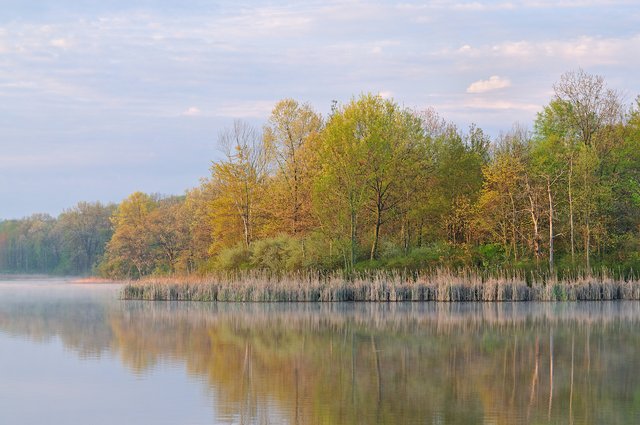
<point x="367" y="157"/>
<point x="85" y="230"/>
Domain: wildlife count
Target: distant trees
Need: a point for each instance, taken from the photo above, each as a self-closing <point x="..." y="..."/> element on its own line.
<point x="376" y="185"/>
<point x="84" y="231"/>
<point x="29" y="245"/>
<point x="151" y="234"/>
<point x="71" y="244"/>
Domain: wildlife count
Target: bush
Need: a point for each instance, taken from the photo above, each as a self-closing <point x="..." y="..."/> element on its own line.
<point x="489" y="255"/>
<point x="282" y="253"/>
<point x="236" y="258"/>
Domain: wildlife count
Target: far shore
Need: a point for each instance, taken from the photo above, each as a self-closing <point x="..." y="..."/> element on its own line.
<point x="92" y="280"/>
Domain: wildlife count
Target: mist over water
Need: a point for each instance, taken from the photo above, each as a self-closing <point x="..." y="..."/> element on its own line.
<point x="74" y="353"/>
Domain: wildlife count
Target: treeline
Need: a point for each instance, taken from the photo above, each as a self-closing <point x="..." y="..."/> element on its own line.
<point x="73" y="243"/>
<point x="376" y="185"/>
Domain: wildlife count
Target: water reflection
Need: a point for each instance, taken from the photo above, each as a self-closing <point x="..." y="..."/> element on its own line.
<point x="367" y="363"/>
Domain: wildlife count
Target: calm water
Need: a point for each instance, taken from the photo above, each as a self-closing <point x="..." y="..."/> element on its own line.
<point x="74" y="354"/>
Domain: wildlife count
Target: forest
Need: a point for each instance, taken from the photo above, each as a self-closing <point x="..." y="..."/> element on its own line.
<point x="374" y="185"/>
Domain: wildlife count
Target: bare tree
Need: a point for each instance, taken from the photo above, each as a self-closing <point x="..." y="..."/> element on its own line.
<point x="591" y="104"/>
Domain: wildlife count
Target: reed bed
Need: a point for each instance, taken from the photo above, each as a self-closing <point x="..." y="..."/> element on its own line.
<point x="381" y="286"/>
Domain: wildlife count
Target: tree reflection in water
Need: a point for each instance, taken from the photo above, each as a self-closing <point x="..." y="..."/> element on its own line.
<point x="496" y="363"/>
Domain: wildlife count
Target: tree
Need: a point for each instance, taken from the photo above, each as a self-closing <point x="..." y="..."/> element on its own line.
<point x="198" y="218"/>
<point x="583" y="117"/>
<point x="129" y="250"/>
<point x="368" y="152"/>
<point x="341" y="182"/>
<point x="85" y="230"/>
<point x="394" y="145"/>
<point x="457" y="181"/>
<point x="504" y="188"/>
<point x="169" y="230"/>
<point x="240" y="181"/>
<point x="591" y="106"/>
<point x="287" y="136"/>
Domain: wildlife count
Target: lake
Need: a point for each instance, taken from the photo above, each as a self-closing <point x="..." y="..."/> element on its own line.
<point x="75" y="354"/>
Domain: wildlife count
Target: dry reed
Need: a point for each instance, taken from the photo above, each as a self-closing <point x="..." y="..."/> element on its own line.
<point x="381" y="286"/>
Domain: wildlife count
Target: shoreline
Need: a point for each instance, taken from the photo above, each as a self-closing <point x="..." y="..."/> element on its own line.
<point x="92" y="280"/>
<point x="378" y="287"/>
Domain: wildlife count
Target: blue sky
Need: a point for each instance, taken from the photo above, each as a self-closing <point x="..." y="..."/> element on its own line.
<point x="102" y="98"/>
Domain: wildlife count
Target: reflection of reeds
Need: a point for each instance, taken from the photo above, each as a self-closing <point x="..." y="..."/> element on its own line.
<point x="439" y="285"/>
<point x="442" y="318"/>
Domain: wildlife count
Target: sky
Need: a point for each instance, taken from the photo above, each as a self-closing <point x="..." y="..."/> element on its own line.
<point x="99" y="99"/>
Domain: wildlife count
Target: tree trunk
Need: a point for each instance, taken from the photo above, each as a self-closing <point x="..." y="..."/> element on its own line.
<point x="550" y="225"/>
<point x="571" y="211"/>
<point x="296" y="202"/>
<point x="353" y="237"/>
<point x="534" y="220"/>
<point x="587" y="244"/>
<point x="245" y="224"/>
<point x="376" y="234"/>
<point x="513" y="228"/>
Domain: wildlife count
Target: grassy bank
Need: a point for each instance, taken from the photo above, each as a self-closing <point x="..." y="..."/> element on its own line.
<point x="440" y="285"/>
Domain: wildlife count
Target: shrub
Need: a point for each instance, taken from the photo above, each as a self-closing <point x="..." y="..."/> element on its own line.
<point x="235" y="258"/>
<point x="282" y="253"/>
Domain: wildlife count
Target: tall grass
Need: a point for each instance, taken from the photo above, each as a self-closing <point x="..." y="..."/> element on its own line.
<point x="383" y="286"/>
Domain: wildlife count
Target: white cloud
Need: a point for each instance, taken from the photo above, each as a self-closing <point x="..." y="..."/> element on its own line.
<point x="575" y="3"/>
<point x="482" y="6"/>
<point x="501" y="105"/>
<point x="61" y="43"/>
<point x="192" y="111"/>
<point x="246" y="109"/>
<point x="386" y="94"/>
<point x="493" y="83"/>
<point x="582" y="51"/>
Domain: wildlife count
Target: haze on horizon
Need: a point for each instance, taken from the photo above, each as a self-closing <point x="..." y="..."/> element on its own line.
<point x="100" y="100"/>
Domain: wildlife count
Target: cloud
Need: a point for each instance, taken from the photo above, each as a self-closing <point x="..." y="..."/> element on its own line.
<point x="501" y="105"/>
<point x="481" y="7"/>
<point x="246" y="109"/>
<point x="575" y="3"/>
<point x="60" y="43"/>
<point x="116" y="68"/>
<point x="493" y="83"/>
<point x="583" y="50"/>
<point x="386" y="94"/>
<point x="192" y="111"/>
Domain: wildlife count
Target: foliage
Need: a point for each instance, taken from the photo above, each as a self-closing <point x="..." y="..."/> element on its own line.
<point x="375" y="185"/>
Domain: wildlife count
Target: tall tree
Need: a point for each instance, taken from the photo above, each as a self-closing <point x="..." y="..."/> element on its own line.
<point x="240" y="181"/>
<point x="199" y="217"/>
<point x="169" y="230"/>
<point x="503" y="193"/>
<point x="129" y="252"/>
<point x="341" y="184"/>
<point x="287" y="135"/>
<point x="369" y="152"/>
<point x="583" y="116"/>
